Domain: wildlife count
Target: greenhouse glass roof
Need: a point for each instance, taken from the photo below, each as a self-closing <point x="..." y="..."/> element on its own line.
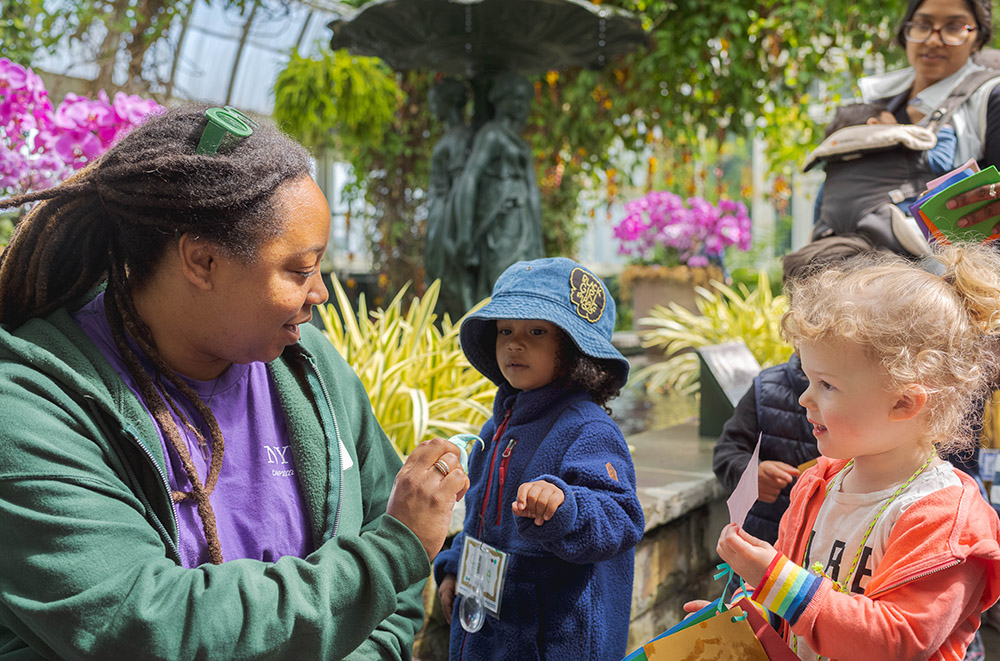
<point x="223" y="56"/>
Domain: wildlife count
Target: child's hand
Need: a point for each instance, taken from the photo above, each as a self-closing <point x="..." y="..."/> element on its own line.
<point x="446" y="591"/>
<point x="748" y="556"/>
<point x="538" y="500"/>
<point x="772" y="477"/>
<point x="695" y="606"/>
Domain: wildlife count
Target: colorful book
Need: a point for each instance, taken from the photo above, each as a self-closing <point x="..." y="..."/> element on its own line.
<point x="931" y="192"/>
<point x="941" y="223"/>
<point x="968" y="165"/>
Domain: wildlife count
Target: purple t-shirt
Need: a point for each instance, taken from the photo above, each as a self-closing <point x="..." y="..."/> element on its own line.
<point x="257" y="501"/>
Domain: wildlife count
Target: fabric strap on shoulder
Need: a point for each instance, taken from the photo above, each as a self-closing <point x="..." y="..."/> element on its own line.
<point x="957" y="97"/>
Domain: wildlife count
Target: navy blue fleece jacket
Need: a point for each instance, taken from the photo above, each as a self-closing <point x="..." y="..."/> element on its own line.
<point x="568" y="590"/>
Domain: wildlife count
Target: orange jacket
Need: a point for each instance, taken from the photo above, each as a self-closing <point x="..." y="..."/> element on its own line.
<point x="940" y="570"/>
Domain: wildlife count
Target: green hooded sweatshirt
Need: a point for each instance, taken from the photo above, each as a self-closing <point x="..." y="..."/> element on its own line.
<point x="88" y="534"/>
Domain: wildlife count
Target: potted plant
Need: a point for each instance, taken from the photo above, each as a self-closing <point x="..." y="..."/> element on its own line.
<point x="676" y="245"/>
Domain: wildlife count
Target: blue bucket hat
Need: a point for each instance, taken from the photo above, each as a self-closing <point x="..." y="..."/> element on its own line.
<point x="554" y="289"/>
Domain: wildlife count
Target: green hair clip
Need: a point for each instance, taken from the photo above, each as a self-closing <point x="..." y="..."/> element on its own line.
<point x="226" y="126"/>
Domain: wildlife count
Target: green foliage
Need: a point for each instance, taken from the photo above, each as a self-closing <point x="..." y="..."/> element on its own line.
<point x="751" y="279"/>
<point x="727" y="314"/>
<point x="20" y="30"/>
<point x="712" y="71"/>
<point x="118" y="33"/>
<point x="392" y="175"/>
<point x="7" y="221"/>
<point x="417" y="377"/>
<point x="372" y="120"/>
<point x="623" y="308"/>
<point x="335" y="99"/>
<point x="722" y="66"/>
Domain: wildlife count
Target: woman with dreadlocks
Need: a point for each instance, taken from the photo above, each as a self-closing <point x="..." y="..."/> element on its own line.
<point x="187" y="468"/>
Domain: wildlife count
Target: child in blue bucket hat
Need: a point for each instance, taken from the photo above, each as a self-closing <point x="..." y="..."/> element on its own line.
<point x="552" y="516"/>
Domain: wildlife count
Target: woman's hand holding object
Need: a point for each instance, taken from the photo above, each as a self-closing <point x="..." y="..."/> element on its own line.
<point x="983" y="213"/>
<point x="425" y="492"/>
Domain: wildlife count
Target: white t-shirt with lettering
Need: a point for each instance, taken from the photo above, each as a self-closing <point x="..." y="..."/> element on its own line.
<point x="843" y="519"/>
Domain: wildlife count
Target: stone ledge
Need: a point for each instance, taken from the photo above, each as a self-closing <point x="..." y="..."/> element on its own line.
<point x="661" y="505"/>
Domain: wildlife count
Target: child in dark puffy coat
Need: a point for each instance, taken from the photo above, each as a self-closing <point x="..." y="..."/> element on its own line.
<point x="554" y="489"/>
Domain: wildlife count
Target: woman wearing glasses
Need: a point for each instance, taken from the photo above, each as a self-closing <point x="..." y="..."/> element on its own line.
<point x="940" y="38"/>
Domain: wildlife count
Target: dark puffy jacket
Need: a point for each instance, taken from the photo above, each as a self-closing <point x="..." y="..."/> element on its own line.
<point x="770" y="407"/>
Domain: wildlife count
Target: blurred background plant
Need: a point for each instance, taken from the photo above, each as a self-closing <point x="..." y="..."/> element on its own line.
<point x="726" y="313"/>
<point x="416" y="375"/>
<point x="40" y="146"/>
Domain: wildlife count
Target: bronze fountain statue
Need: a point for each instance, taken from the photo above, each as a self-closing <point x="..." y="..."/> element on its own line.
<point x="484" y="211"/>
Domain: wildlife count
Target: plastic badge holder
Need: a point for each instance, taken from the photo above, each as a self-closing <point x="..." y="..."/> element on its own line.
<point x="226" y="126"/>
<point x="472" y="610"/>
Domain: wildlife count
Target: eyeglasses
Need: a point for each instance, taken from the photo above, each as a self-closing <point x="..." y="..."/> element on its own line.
<point x="953" y="34"/>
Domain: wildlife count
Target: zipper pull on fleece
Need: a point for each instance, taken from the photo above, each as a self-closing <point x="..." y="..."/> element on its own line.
<point x="497" y="436"/>
<point x="504" y="460"/>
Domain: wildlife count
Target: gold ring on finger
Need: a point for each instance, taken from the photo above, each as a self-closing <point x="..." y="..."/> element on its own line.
<point x="442" y="467"/>
<point x="993" y="191"/>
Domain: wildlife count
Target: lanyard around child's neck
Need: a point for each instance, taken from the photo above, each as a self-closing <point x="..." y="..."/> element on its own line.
<point x="817" y="567"/>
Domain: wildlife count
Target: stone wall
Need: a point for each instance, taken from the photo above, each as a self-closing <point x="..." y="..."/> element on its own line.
<point x="674" y="563"/>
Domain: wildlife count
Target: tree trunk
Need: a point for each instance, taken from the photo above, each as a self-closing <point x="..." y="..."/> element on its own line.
<point x="107" y="54"/>
<point x="147" y="13"/>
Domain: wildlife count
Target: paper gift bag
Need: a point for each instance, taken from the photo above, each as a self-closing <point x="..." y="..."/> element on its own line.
<point x="725" y="637"/>
<point x="770" y="640"/>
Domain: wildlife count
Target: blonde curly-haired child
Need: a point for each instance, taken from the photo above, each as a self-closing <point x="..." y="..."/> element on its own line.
<point x="886" y="551"/>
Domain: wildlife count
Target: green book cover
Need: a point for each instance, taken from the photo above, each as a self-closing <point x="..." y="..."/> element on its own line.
<point x="945" y="220"/>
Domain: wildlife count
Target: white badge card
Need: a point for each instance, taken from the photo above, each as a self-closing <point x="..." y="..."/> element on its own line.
<point x="485" y="568"/>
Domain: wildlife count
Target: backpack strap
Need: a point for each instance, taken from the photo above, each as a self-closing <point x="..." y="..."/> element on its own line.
<point x="957" y="97"/>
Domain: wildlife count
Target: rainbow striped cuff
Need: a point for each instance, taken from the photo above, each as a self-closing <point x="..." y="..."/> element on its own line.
<point x="786" y="589"/>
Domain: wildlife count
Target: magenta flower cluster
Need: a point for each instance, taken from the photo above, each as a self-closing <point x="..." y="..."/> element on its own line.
<point x="39" y="146"/>
<point x="662" y="227"/>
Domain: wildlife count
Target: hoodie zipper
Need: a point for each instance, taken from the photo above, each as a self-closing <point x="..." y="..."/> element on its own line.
<point x="497" y="435"/>
<point x="504" y="460"/>
<point x="136" y="442"/>
<point x="335" y="452"/>
<point x="909" y="579"/>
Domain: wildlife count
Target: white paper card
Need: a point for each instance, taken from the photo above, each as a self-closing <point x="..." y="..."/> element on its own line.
<point x="745" y="493"/>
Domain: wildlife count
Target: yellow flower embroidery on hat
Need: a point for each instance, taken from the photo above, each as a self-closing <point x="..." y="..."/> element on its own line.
<point x="587" y="294"/>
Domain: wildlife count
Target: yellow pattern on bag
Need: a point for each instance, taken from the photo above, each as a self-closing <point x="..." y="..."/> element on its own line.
<point x="719" y="638"/>
<point x="989" y="440"/>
